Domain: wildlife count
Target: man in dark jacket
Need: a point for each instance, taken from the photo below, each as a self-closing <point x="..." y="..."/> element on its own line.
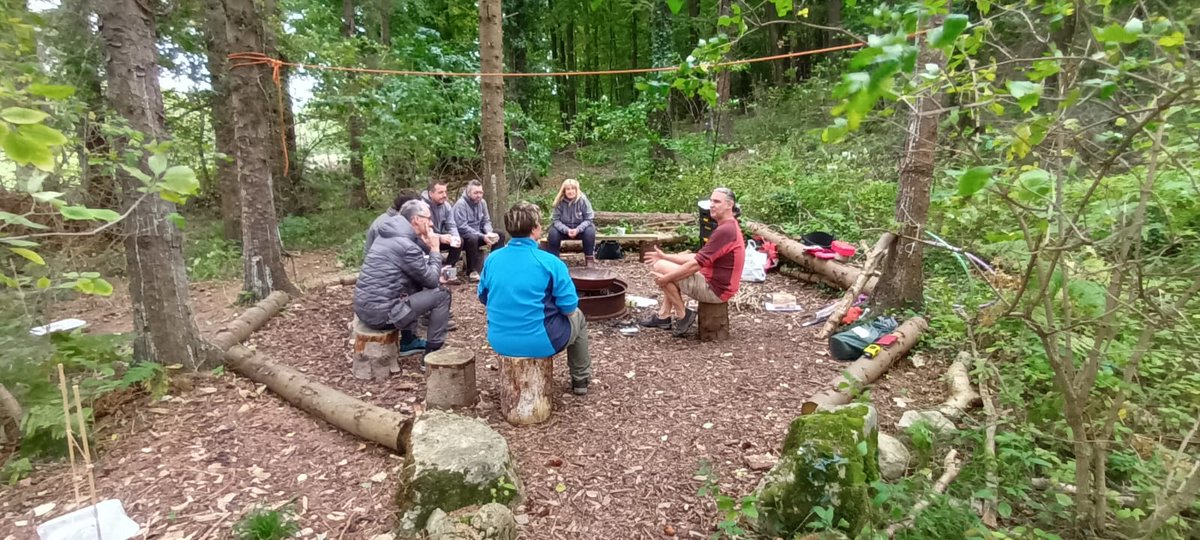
<point x="443" y="220"/>
<point x="398" y="282"/>
<point x="475" y="227"/>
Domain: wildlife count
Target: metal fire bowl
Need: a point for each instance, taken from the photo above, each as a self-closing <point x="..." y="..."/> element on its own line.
<point x="606" y="306"/>
<point x="592" y="278"/>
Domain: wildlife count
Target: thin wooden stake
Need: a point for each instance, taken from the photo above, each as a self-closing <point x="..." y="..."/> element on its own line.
<point x="62" y="385"/>
<point x="870" y="269"/>
<point x="87" y="454"/>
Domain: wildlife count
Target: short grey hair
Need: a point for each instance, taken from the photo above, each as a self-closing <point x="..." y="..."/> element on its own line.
<point x="726" y="192"/>
<point x="412" y="208"/>
<point x="474" y="183"/>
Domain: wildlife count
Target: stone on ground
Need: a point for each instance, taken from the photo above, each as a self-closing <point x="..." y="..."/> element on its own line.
<point x="455" y="462"/>
<point x="936" y="420"/>
<point x="829" y="460"/>
<point x="893" y="457"/>
<point x="492" y="521"/>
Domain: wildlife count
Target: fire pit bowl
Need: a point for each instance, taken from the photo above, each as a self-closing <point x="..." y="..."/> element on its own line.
<point x="605" y="303"/>
<point x="592" y="278"/>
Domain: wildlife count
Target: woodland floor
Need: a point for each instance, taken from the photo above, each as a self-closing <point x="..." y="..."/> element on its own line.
<point x="627" y="454"/>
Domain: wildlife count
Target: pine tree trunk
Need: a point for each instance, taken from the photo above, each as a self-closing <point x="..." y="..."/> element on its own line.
<point x="354" y="125"/>
<point x="902" y="283"/>
<point x="162" y="316"/>
<point x="572" y="82"/>
<point x="722" y="116"/>
<point x="491" y="60"/>
<point x="217" y="47"/>
<point x="833" y="19"/>
<point x="633" y="55"/>
<point x="660" y="54"/>
<point x="262" y="253"/>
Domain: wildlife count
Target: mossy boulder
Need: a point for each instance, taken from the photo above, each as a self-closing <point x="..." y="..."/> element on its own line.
<point x="454" y="462"/>
<point x="829" y="460"/>
<point x="492" y="521"/>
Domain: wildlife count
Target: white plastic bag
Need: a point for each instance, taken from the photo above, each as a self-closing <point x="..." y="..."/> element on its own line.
<point x="755" y="265"/>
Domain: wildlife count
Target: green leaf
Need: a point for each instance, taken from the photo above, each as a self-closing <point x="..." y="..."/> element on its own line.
<point x="675" y="6"/>
<point x="181" y="179"/>
<point x="1063" y="499"/>
<point x="83" y="213"/>
<point x="26" y="151"/>
<point x="51" y="91"/>
<point x="951" y="28"/>
<point x="1134" y="26"/>
<point x="101" y="287"/>
<point x="31" y="255"/>
<point x="984" y="6"/>
<point x="136" y="173"/>
<point x="596" y="4"/>
<point x="43" y="283"/>
<point x="177" y="219"/>
<point x="973" y="180"/>
<point x="1088" y="297"/>
<point x="21" y="115"/>
<point x="19" y="220"/>
<point x="43" y="134"/>
<point x="1035" y="184"/>
<point x="1114" y="34"/>
<point x="783" y="7"/>
<point x="1004" y="509"/>
<point x="1027" y="93"/>
<point x="18" y="242"/>
<point x="1173" y="40"/>
<point x="158" y="163"/>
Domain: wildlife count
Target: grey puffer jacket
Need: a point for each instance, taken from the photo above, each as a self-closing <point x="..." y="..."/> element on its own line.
<point x="573" y="214"/>
<point x="442" y="216"/>
<point x="395" y="266"/>
<point x="391" y="215"/>
<point x="473" y="219"/>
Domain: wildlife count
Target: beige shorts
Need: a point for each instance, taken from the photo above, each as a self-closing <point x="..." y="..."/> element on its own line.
<point x="696" y="287"/>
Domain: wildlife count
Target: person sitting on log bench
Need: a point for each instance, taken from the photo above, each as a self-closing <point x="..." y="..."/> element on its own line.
<point x="442" y="221"/>
<point x="532" y="307"/>
<point x="572" y="220"/>
<point x="398" y="282"/>
<point x="711" y="276"/>
<point x="475" y="227"/>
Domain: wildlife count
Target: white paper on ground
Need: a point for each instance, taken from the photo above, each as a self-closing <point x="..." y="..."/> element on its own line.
<point x="640" y="301"/>
<point x="65" y="325"/>
<point x="785" y="308"/>
<point x="108" y="516"/>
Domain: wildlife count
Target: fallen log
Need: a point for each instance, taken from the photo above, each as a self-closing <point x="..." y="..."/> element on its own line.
<point x="616" y="218"/>
<point x="870" y="270"/>
<point x="963" y="396"/>
<point x="811" y="277"/>
<point x="239" y="329"/>
<point x="843" y="275"/>
<point x="329" y="281"/>
<point x="370" y="422"/>
<point x="865" y="370"/>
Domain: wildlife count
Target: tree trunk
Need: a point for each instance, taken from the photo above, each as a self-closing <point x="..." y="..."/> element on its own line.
<point x="81" y="69"/>
<point x="354" y="124"/>
<point x="262" y="253"/>
<point x="385" y="24"/>
<point x="661" y="55"/>
<point x="903" y="279"/>
<point x="526" y="389"/>
<point x="633" y="54"/>
<point x="833" y="19"/>
<point x="722" y="117"/>
<point x="217" y="47"/>
<point x="572" y="82"/>
<point x="162" y="316"/>
<point x="491" y="48"/>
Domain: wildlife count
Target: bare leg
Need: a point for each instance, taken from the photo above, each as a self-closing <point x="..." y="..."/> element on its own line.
<point x="672" y="298"/>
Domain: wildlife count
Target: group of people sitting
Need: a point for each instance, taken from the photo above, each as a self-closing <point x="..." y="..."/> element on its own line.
<point x="532" y="305"/>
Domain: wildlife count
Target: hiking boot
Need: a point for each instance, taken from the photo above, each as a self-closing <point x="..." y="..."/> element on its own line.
<point x="656" y="322"/>
<point x="579" y="388"/>
<point x="415" y="346"/>
<point x="474" y="277"/>
<point x="685" y="323"/>
<point x="589" y="261"/>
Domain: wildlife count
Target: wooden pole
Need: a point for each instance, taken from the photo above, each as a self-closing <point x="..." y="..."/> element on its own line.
<point x="62" y="385"/>
<point x="87" y="452"/>
<point x="870" y="270"/>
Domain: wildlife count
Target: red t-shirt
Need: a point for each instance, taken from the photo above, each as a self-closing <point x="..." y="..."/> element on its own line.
<point x="721" y="259"/>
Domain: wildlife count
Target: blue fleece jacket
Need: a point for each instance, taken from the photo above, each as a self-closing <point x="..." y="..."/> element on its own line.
<point x="528" y="294"/>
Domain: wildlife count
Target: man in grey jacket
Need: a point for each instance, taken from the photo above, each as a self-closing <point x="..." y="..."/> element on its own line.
<point x="443" y="220"/>
<point x="475" y="227"/>
<point x="398" y="282"/>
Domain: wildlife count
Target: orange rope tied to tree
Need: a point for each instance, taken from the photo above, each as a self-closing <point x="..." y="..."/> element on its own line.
<point x="247" y="59"/>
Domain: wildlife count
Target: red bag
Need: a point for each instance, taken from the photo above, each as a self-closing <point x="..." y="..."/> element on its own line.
<point x="770" y="249"/>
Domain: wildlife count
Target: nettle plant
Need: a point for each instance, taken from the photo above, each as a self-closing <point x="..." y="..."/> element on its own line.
<point x="1068" y="135"/>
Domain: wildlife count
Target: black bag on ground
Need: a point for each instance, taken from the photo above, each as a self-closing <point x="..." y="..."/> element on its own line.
<point x="849" y="345"/>
<point x="609" y="250"/>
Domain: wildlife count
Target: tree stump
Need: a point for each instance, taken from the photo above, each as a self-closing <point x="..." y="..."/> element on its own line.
<point x="450" y="379"/>
<point x="525" y="389"/>
<point x="713" y="322"/>
<point x="375" y="352"/>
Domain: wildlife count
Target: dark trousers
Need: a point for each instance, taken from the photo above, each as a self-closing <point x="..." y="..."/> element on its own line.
<point x="435" y="303"/>
<point x="452" y="254"/>
<point x="474" y="251"/>
<point x="588" y="236"/>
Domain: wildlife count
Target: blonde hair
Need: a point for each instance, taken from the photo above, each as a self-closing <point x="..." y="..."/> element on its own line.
<point x="562" y="189"/>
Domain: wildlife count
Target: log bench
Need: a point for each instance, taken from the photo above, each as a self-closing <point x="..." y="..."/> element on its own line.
<point x="375" y="352"/>
<point x="450" y="378"/>
<point x="526" y="385"/>
<point x="712" y="322"/>
<point x="646" y="242"/>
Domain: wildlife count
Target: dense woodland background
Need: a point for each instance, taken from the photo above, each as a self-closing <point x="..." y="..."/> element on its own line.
<point x="1054" y="140"/>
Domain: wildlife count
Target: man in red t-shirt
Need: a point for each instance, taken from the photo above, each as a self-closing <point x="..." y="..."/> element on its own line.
<point x="711" y="276"/>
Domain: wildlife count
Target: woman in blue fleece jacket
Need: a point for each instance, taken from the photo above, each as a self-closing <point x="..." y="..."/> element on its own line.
<point x="572" y="220"/>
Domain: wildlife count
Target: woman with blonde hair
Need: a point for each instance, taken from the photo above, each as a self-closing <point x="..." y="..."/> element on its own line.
<point x="572" y="220"/>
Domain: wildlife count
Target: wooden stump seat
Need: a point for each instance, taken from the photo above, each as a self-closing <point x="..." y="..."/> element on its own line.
<point x="450" y="378"/>
<point x="375" y="352"/>
<point x="712" y="322"/>
<point x="526" y="387"/>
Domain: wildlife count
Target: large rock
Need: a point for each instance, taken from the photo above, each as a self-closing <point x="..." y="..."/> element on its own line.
<point x="492" y="521"/>
<point x="829" y="460"/>
<point x="454" y="462"/>
<point x="934" y="419"/>
<point x="893" y="457"/>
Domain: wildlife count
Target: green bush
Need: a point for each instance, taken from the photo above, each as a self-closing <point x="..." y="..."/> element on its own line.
<point x="266" y="524"/>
